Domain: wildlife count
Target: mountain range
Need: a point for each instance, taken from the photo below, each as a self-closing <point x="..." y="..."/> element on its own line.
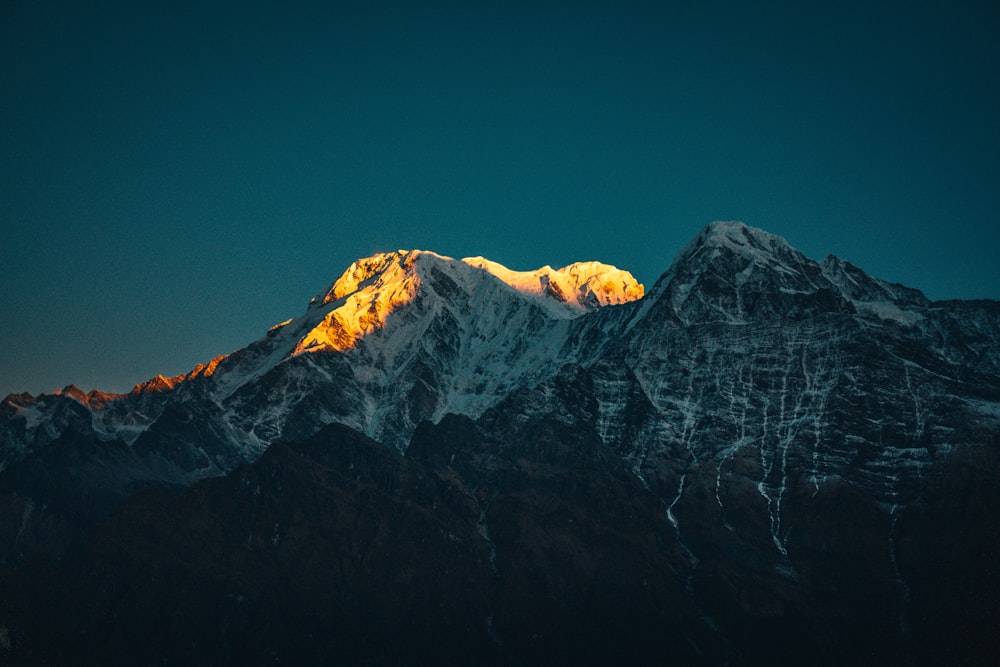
<point x="761" y="458"/>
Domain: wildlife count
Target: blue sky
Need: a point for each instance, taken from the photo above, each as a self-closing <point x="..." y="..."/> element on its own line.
<point x="174" y="178"/>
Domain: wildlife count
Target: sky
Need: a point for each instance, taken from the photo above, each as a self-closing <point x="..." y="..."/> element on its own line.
<point x="177" y="177"/>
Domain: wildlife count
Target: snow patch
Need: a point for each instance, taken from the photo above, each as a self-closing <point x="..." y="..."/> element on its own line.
<point x="885" y="310"/>
<point x="32" y="417"/>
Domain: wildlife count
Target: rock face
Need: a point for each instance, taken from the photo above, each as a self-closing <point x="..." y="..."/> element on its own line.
<point x="765" y="458"/>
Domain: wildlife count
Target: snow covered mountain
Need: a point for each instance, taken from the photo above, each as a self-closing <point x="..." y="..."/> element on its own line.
<point x="806" y="451"/>
<point x="743" y="338"/>
<point x="400" y="337"/>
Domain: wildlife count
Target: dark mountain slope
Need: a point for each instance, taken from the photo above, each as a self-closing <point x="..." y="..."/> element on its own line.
<point x="338" y="549"/>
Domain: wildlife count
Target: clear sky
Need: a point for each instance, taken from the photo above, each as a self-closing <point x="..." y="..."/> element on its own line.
<point x="176" y="177"/>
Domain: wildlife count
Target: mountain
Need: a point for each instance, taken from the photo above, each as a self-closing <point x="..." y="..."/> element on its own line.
<point x="398" y="338"/>
<point x="764" y="458"/>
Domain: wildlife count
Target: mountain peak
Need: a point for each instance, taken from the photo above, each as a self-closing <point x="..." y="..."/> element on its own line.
<point x="365" y="271"/>
<point x="741" y="238"/>
<point x="731" y="243"/>
<point x="371" y="288"/>
<point x="362" y="298"/>
<point x="582" y="285"/>
<point x="732" y="272"/>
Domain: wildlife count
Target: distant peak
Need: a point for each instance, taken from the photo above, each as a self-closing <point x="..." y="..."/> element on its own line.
<point x="156" y="384"/>
<point x="583" y="285"/>
<point x="597" y="284"/>
<point x="92" y="398"/>
<point x="72" y="391"/>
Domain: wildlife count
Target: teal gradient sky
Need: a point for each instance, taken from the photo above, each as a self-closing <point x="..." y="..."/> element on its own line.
<point x="176" y="178"/>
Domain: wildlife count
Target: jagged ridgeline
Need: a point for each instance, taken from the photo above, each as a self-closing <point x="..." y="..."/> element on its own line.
<point x="762" y="458"/>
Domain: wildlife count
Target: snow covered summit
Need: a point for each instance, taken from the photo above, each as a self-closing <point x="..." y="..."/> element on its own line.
<point x="362" y="300"/>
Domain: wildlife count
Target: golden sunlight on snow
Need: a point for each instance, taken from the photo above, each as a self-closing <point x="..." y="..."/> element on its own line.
<point x="583" y="284"/>
<point x="161" y="383"/>
<point x="372" y="288"/>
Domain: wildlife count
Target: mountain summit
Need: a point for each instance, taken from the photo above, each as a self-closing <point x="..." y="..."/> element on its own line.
<point x="363" y="298"/>
<point x="764" y="459"/>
